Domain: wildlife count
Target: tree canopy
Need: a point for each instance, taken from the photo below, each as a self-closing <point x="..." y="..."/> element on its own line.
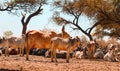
<point x="33" y="7"/>
<point x="105" y="13"/>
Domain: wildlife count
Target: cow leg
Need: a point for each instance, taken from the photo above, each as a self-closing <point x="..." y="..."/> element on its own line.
<point x="54" y="53"/>
<point x="22" y="51"/>
<point x="67" y="57"/>
<point x="47" y="53"/>
<point x="51" y="49"/>
<point x="51" y="56"/>
<point x="27" y="53"/>
<point x="6" y="52"/>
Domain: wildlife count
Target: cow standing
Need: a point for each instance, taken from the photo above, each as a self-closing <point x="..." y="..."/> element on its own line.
<point x="41" y="39"/>
<point x="13" y="42"/>
<point x="113" y="53"/>
<point x="63" y="44"/>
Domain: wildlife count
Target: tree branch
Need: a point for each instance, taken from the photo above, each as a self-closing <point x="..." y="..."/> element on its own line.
<point x="97" y="23"/>
<point x="8" y="8"/>
<point x="34" y="14"/>
<point x="23" y="18"/>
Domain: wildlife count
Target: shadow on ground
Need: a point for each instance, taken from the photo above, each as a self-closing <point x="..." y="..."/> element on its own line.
<point x="8" y="70"/>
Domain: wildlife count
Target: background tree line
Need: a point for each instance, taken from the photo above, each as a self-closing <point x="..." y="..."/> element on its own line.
<point x="104" y="13"/>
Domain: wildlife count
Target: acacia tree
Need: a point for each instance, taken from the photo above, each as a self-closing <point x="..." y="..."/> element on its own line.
<point x="107" y="15"/>
<point x="72" y="8"/>
<point x="31" y="7"/>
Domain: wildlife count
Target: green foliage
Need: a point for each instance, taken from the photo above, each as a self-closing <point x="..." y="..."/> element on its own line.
<point x="7" y="33"/>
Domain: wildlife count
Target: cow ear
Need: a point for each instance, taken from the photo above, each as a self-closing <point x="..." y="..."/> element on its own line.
<point x="77" y="37"/>
<point x="70" y="38"/>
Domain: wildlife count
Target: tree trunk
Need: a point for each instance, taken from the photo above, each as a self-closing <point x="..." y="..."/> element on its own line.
<point x="90" y="37"/>
<point x="24" y="29"/>
<point x="85" y="32"/>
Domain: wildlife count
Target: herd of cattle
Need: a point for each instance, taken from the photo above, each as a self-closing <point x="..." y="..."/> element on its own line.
<point x="51" y="43"/>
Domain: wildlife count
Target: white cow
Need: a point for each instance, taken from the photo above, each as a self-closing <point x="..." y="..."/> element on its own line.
<point x="113" y="53"/>
<point x="79" y="55"/>
<point x="13" y="42"/>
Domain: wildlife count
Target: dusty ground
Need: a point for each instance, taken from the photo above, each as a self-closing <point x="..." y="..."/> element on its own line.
<point x="39" y="63"/>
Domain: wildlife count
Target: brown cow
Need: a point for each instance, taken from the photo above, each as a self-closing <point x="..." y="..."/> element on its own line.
<point x="63" y="44"/>
<point x="41" y="39"/>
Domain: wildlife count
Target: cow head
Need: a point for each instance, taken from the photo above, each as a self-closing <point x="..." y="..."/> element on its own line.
<point x="75" y="41"/>
<point x="3" y="41"/>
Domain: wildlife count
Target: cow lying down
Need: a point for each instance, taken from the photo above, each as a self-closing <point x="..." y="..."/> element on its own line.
<point x="63" y="44"/>
<point x="113" y="54"/>
<point x="79" y="55"/>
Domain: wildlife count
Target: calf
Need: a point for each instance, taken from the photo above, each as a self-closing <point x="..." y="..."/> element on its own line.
<point x="63" y="44"/>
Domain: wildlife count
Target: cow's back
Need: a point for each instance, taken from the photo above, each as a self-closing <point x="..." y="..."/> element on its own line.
<point x="15" y="41"/>
<point x="38" y="39"/>
<point x="60" y="43"/>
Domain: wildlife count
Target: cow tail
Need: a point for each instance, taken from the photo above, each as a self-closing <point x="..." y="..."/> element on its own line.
<point x="26" y="41"/>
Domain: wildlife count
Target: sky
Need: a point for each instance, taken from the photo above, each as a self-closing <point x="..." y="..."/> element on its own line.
<point x="10" y="22"/>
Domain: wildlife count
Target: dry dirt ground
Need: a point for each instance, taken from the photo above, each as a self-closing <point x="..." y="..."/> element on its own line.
<point x="39" y="63"/>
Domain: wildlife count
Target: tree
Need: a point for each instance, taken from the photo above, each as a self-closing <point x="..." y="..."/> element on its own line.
<point x="105" y="13"/>
<point x="107" y="17"/>
<point x="7" y="33"/>
<point x="72" y="8"/>
<point x="31" y="7"/>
